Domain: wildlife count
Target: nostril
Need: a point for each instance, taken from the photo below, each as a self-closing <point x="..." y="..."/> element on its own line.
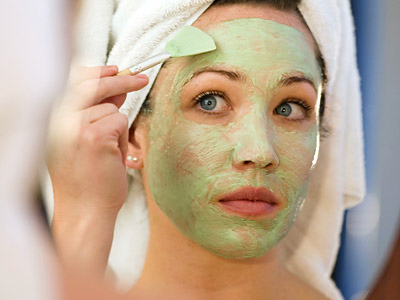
<point x="246" y="162"/>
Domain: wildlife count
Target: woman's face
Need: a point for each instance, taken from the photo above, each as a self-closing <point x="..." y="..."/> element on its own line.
<point x="233" y="134"/>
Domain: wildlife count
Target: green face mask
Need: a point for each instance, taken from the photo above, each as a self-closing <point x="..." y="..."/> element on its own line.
<point x="192" y="161"/>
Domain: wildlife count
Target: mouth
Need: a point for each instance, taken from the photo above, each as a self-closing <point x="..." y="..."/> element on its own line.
<point x="251" y="202"/>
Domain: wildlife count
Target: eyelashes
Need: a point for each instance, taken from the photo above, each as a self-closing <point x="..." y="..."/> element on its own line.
<point x="212" y="102"/>
<point x="217" y="103"/>
<point x="293" y="109"/>
<point x="207" y="93"/>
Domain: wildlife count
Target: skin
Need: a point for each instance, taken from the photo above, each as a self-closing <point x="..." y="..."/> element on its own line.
<point x="185" y="154"/>
<point x="193" y="155"/>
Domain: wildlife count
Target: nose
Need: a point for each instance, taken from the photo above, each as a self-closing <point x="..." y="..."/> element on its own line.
<point x="254" y="147"/>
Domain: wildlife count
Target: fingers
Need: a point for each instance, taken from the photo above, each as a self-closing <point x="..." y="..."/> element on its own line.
<point x="112" y="86"/>
<point x="99" y="111"/>
<point x="116" y="100"/>
<point x="80" y="73"/>
<point x="92" y="92"/>
<point x="123" y="143"/>
<point x="113" y="129"/>
<point x="94" y="101"/>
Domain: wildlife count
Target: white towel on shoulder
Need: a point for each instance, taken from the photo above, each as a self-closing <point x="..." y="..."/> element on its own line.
<point x="124" y="32"/>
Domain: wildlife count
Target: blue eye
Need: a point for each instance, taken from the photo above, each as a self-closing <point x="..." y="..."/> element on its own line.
<point x="292" y="110"/>
<point x="208" y="102"/>
<point x="283" y="110"/>
<point x="212" y="103"/>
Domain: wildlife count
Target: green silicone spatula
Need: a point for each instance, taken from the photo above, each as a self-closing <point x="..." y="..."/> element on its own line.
<point x="189" y="41"/>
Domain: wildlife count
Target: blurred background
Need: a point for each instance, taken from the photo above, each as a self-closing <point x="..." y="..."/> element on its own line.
<point x="369" y="229"/>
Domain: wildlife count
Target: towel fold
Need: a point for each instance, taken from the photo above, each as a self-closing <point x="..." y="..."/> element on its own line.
<point x="126" y="32"/>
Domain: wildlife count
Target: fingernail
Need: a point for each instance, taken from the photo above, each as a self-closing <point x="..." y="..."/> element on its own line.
<point x="113" y="67"/>
<point x="141" y="77"/>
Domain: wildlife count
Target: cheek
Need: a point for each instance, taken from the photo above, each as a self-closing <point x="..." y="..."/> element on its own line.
<point x="196" y="146"/>
<point x="296" y="152"/>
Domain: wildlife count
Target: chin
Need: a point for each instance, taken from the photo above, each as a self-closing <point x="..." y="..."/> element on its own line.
<point x="242" y="250"/>
<point x="242" y="242"/>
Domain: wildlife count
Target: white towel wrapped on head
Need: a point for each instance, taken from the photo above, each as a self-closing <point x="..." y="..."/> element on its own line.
<point x="134" y="30"/>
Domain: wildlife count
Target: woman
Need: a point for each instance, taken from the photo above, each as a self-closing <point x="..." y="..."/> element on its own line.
<point x="225" y="145"/>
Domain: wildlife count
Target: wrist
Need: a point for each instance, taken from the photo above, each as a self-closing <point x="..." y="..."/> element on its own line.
<point x="75" y="208"/>
<point x="83" y="237"/>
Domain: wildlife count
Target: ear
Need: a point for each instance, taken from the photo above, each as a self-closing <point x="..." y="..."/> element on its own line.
<point x="136" y="148"/>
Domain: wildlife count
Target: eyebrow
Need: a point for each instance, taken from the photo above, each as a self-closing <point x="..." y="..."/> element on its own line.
<point x="229" y="74"/>
<point x="285" y="81"/>
<point x="288" y="80"/>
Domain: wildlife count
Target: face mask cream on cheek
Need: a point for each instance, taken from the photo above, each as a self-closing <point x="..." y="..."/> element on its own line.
<point x="191" y="166"/>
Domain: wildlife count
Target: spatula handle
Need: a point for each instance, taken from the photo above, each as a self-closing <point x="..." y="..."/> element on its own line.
<point x="147" y="64"/>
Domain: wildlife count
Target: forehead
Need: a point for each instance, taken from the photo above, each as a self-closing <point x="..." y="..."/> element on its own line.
<point x="259" y="46"/>
<point x="218" y="14"/>
<point x="177" y="71"/>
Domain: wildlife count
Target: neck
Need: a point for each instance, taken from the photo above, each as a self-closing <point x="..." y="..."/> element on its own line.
<point x="177" y="267"/>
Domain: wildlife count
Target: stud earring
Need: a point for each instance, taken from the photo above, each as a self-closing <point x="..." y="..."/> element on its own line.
<point x="131" y="158"/>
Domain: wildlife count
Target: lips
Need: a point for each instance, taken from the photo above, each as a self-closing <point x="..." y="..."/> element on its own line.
<point x="251" y="202"/>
